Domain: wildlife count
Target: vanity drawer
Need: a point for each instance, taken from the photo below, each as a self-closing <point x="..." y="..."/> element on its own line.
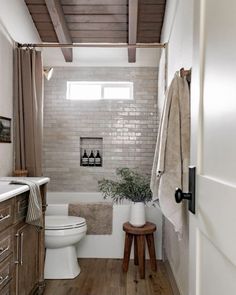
<point x="6" y="269"/>
<point x="7" y="290"/>
<point x="21" y="205"/>
<point x="6" y="244"/>
<point x="6" y="214"/>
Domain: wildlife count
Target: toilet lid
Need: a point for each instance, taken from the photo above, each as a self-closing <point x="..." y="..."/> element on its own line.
<point x="63" y="222"/>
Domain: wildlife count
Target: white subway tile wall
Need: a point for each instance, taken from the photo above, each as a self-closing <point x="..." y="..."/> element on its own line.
<point x="128" y="128"/>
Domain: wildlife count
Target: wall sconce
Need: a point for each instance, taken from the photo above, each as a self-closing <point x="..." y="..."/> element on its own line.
<point x="48" y="73"/>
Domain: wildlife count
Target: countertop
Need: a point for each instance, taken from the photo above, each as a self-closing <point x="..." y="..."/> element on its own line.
<point x="8" y="191"/>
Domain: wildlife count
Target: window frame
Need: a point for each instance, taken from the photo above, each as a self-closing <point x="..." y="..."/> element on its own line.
<point x="103" y="85"/>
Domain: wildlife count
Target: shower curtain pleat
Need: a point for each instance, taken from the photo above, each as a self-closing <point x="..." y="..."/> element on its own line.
<point x="28" y="110"/>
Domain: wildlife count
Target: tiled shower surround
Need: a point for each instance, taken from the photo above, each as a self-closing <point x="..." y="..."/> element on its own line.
<point x="128" y="128"/>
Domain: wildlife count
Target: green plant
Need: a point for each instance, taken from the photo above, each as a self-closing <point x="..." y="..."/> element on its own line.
<point x="130" y="186"/>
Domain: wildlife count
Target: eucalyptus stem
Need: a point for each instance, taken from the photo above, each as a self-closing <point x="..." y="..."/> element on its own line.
<point x="130" y="185"/>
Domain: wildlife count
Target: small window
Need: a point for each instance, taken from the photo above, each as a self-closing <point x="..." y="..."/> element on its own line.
<point x="99" y="90"/>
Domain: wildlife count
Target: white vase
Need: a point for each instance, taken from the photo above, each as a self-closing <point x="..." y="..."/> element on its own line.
<point x="137" y="214"/>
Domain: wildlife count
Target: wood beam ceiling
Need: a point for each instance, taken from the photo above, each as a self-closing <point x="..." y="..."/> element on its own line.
<point x="132" y="31"/>
<point x="58" y="19"/>
<point x="98" y="22"/>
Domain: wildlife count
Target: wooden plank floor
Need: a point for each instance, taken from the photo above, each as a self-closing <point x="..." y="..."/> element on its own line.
<point x="105" y="277"/>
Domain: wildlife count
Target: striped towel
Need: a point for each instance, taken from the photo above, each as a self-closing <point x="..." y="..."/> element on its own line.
<point x="35" y="212"/>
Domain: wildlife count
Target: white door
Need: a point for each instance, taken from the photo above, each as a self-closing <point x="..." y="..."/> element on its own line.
<point x="213" y="149"/>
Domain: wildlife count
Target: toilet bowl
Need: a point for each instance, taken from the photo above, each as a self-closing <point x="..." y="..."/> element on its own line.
<point x="62" y="233"/>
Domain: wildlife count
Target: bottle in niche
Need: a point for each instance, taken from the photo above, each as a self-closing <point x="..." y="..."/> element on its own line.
<point x="91" y="159"/>
<point x="85" y="159"/>
<point x="98" y="159"/>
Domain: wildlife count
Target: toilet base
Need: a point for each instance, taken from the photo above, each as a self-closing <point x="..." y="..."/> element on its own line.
<point x="61" y="263"/>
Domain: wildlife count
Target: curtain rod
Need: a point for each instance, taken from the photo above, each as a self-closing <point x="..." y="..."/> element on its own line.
<point x="101" y="45"/>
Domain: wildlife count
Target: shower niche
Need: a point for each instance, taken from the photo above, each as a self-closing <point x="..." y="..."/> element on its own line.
<point x="91" y="151"/>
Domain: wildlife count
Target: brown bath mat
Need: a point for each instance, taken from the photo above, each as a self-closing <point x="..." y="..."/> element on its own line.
<point x="98" y="216"/>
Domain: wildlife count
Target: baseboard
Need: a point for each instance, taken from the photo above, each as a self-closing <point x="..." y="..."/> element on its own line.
<point x="172" y="280"/>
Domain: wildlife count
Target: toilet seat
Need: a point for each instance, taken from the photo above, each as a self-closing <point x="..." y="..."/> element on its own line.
<point x="55" y="222"/>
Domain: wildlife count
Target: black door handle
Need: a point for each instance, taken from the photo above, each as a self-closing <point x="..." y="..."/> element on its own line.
<point x="190" y="196"/>
<point x="180" y="196"/>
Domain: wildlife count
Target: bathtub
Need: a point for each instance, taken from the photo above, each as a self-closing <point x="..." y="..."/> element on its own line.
<point x="103" y="246"/>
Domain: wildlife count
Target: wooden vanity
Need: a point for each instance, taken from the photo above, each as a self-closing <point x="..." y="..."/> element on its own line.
<point x="22" y="247"/>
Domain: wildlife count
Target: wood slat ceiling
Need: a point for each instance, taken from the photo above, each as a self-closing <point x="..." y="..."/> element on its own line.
<point x="99" y="21"/>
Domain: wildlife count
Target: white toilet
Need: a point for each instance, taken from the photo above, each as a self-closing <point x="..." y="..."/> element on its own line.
<point x="62" y="233"/>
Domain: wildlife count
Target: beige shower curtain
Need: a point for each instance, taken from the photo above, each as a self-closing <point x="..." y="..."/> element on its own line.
<point x="28" y="108"/>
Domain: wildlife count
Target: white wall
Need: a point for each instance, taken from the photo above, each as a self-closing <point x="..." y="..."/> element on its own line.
<point x="102" y="57"/>
<point x="18" y="22"/>
<point x="178" y="32"/>
<point x="6" y="98"/>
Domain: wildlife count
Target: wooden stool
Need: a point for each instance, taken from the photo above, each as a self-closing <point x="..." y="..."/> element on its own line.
<point x="139" y="234"/>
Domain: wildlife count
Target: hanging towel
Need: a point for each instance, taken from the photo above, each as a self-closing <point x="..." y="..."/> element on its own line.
<point x="35" y="212"/>
<point x="162" y="76"/>
<point x="171" y="160"/>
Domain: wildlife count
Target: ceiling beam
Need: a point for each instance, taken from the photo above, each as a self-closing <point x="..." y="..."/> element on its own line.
<point x="58" y="19"/>
<point x="133" y="25"/>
